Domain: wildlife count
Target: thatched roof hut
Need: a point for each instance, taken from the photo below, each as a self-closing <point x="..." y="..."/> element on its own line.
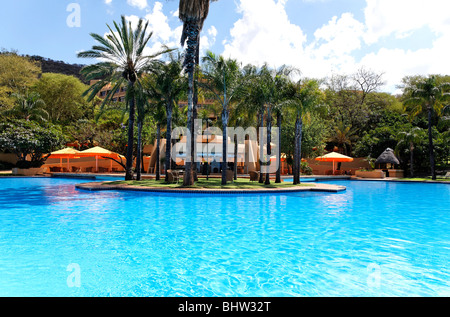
<point x="387" y="157"/>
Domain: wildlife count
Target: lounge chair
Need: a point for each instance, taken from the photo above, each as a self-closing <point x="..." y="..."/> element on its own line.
<point x="447" y="175"/>
<point x="230" y="176"/>
<point x="102" y="170"/>
<point x="254" y="176"/>
<point x="174" y="176"/>
<point x="76" y="169"/>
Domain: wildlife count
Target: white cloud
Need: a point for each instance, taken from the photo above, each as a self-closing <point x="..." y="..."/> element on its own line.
<point x="108" y="1"/>
<point x="264" y="33"/>
<point x="141" y="4"/>
<point x="401" y="17"/>
<point x="339" y="36"/>
<point x="208" y="40"/>
<point x="165" y="34"/>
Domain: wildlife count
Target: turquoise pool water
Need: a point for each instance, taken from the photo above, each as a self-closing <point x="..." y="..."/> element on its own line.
<point x="375" y="239"/>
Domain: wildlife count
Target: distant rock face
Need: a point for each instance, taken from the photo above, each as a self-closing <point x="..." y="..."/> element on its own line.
<point x="50" y="66"/>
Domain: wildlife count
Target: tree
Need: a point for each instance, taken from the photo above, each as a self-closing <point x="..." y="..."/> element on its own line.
<point x="165" y="86"/>
<point x="222" y="78"/>
<point x="27" y="139"/>
<point x="29" y="106"/>
<point x="427" y="95"/>
<point x="343" y="136"/>
<point x="124" y="63"/>
<point x="307" y="97"/>
<point x="409" y="139"/>
<point x="63" y="97"/>
<point x="193" y="14"/>
<point x="367" y="81"/>
<point x="17" y="75"/>
<point x="351" y="100"/>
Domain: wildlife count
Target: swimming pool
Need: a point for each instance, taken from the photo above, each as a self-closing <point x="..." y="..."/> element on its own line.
<point x="375" y="239"/>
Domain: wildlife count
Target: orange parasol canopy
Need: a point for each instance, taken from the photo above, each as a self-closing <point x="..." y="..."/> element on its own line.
<point x="334" y="157"/>
<point x="64" y="153"/>
<point x="99" y="152"/>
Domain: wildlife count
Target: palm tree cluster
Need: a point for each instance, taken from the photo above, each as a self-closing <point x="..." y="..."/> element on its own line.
<point x="155" y="83"/>
<point x="428" y="96"/>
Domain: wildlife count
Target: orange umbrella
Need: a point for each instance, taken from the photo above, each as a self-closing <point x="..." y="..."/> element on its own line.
<point x="99" y="152"/>
<point x="66" y="153"/>
<point x="334" y="157"/>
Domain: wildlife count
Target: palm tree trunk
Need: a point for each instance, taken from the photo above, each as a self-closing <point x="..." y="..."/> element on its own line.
<point x="188" y="177"/>
<point x="269" y="140"/>
<point x="261" y="123"/>
<point x="168" y="160"/>
<point x="431" y="146"/>
<point x="194" y="110"/>
<point x="278" y="175"/>
<point x="235" y="156"/>
<point x="129" y="174"/>
<point x="411" y="151"/>
<point x="224" y="144"/>
<point x="158" y="140"/>
<point x="139" y="151"/>
<point x="297" y="149"/>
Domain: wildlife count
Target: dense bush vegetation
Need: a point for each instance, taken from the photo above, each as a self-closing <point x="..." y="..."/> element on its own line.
<point x="41" y="110"/>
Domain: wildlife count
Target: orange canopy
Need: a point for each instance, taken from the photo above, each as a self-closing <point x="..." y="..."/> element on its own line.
<point x="64" y="153"/>
<point x="98" y="152"/>
<point x="334" y="157"/>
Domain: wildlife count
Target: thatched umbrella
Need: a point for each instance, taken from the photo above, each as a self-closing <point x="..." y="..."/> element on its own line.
<point x="387" y="157"/>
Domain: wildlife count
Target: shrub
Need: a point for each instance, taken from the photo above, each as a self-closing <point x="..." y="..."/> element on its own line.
<point x="29" y="141"/>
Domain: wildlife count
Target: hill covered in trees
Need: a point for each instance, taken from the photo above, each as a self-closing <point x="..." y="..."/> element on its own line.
<point x="59" y="67"/>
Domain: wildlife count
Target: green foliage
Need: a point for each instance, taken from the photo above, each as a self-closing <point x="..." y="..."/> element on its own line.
<point x="62" y="96"/>
<point x="305" y="168"/>
<point x="29" y="141"/>
<point x="28" y="106"/>
<point x="17" y="75"/>
<point x="314" y="135"/>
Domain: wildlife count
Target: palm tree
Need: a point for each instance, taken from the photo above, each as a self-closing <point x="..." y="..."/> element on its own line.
<point x="123" y="62"/>
<point x="307" y="96"/>
<point x="254" y="98"/>
<point x="285" y="99"/>
<point x="428" y="95"/>
<point x="344" y="136"/>
<point x="144" y="108"/>
<point x="166" y="85"/>
<point x="409" y="139"/>
<point x="223" y="79"/>
<point x="193" y="14"/>
<point x="29" y="106"/>
<point x="273" y="82"/>
<point x="241" y="116"/>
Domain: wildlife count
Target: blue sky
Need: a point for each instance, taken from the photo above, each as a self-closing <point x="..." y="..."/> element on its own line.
<point x="320" y="37"/>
